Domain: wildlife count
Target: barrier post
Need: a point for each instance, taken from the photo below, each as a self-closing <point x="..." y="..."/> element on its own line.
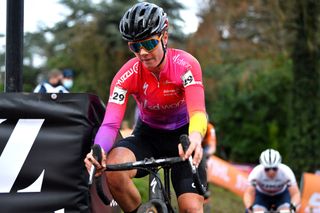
<point x="14" y="46"/>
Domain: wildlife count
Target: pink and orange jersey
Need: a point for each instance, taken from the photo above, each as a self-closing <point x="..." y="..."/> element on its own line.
<point x="165" y="102"/>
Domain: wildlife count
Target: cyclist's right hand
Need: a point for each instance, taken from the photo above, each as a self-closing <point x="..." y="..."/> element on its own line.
<point x="100" y="166"/>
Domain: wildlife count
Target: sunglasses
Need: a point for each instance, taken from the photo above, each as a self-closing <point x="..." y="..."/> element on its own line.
<point x="148" y="44"/>
<point x="273" y="168"/>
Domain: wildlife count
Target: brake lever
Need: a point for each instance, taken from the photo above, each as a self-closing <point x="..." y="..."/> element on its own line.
<point x="96" y="153"/>
<point x="184" y="139"/>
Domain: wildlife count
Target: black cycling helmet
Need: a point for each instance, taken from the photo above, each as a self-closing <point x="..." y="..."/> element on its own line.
<point x="142" y="21"/>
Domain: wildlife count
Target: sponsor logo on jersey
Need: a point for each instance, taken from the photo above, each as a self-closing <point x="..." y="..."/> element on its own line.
<point x="169" y="92"/>
<point x="145" y="87"/>
<point x="165" y="106"/>
<point x="128" y="73"/>
<point x="272" y="187"/>
<point x="180" y="61"/>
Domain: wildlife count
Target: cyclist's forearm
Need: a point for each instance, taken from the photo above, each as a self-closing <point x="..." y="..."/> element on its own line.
<point x="295" y="195"/>
<point x="249" y="196"/>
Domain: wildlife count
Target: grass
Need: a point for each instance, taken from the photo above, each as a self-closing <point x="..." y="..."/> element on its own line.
<point x="224" y="201"/>
<point x="221" y="200"/>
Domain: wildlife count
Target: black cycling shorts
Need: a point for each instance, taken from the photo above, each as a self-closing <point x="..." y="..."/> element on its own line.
<point x="147" y="142"/>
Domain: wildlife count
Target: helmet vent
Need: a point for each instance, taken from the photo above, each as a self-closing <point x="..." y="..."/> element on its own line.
<point x="142" y="12"/>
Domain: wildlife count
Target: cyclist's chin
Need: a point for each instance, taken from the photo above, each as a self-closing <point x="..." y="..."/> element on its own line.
<point x="150" y="64"/>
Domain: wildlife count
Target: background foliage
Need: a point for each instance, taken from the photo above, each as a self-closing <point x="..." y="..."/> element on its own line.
<point x="260" y="61"/>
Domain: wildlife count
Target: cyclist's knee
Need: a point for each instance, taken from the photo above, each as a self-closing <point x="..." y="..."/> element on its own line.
<point x="190" y="203"/>
<point x="119" y="178"/>
<point x="191" y="209"/>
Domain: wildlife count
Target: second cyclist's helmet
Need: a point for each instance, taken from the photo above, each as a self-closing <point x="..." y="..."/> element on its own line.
<point x="270" y="158"/>
<point x="142" y="21"/>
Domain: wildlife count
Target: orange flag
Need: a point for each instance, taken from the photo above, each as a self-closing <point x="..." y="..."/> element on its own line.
<point x="226" y="175"/>
<point x="310" y="201"/>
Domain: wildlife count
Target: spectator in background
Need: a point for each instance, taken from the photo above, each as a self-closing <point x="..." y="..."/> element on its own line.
<point x="53" y="84"/>
<point x="67" y="80"/>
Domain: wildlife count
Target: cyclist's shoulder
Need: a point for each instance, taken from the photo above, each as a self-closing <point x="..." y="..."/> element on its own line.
<point x="132" y="65"/>
<point x="256" y="171"/>
<point x="285" y="169"/>
<point x="126" y="72"/>
<point x="283" y="166"/>
<point x="181" y="57"/>
<point x="182" y="53"/>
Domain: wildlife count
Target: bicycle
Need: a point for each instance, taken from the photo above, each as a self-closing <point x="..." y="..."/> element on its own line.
<point x="159" y="195"/>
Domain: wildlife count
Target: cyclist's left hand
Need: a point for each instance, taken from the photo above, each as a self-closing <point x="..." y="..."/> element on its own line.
<point x="194" y="147"/>
<point x="100" y="166"/>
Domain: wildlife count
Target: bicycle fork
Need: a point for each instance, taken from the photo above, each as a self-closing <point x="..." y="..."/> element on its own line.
<point x="159" y="195"/>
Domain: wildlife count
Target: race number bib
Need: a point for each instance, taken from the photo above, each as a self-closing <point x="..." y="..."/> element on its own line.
<point x="118" y="96"/>
<point x="188" y="79"/>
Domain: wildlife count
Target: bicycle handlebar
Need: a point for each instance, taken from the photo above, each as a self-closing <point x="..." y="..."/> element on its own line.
<point x="147" y="163"/>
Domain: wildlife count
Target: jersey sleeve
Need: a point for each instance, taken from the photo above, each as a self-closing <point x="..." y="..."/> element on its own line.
<point x="289" y="174"/>
<point x="194" y="95"/>
<point x="115" y="110"/>
<point x="253" y="176"/>
<point x="192" y="82"/>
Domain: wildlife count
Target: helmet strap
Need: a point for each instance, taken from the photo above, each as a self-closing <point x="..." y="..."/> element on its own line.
<point x="164" y="52"/>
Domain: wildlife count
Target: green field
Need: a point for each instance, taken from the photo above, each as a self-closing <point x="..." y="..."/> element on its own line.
<point x="224" y="201"/>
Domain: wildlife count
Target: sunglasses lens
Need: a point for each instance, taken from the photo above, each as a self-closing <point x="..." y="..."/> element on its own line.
<point x="150" y="44"/>
<point x="147" y="45"/>
<point x="135" y="47"/>
<point x="268" y="169"/>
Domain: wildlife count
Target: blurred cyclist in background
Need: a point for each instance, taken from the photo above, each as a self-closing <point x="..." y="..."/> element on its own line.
<point x="272" y="185"/>
<point x="167" y="86"/>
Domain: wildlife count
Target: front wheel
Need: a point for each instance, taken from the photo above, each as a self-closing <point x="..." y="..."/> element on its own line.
<point x="153" y="206"/>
